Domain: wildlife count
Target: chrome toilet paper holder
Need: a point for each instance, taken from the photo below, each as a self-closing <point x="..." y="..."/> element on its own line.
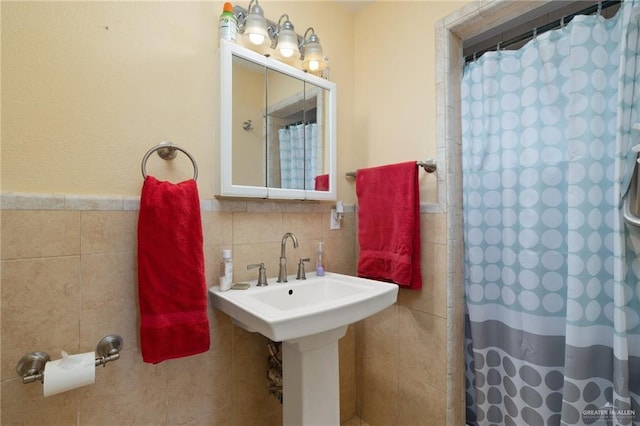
<point x="31" y="366"/>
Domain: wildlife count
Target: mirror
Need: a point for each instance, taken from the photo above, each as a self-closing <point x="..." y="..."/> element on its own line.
<point x="277" y="129"/>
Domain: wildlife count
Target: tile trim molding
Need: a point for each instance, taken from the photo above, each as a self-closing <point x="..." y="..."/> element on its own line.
<point x="33" y="201"/>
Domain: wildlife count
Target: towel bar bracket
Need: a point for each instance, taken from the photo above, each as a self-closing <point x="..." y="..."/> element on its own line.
<point x="108" y="349"/>
<point x="31" y="366"/>
<point x="428" y="165"/>
<point x="167" y="152"/>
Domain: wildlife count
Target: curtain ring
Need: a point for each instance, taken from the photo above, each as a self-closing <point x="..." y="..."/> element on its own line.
<point x="599" y="8"/>
<point x="535" y="34"/>
<point x="562" y="24"/>
<point x="498" y="46"/>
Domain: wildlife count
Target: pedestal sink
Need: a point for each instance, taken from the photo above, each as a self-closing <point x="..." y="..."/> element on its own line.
<point x="308" y="317"/>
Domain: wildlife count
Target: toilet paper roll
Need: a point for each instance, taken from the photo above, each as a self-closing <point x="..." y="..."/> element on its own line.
<point x="69" y="372"/>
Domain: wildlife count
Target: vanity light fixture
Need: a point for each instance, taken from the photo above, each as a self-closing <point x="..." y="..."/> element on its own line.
<point x="255" y="26"/>
<point x="313" y="60"/>
<point x="287" y="39"/>
<point x="262" y="35"/>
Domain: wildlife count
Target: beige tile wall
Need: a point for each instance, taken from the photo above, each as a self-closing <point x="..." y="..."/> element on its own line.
<point x="69" y="278"/>
<point x="402" y="351"/>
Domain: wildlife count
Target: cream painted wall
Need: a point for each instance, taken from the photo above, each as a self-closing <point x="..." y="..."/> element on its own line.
<point x="395" y="88"/>
<point x="89" y="87"/>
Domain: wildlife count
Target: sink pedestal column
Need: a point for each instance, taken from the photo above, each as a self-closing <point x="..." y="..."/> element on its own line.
<point x="311" y="380"/>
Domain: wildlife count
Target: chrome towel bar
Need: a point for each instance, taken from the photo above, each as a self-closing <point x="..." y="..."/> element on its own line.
<point x="429" y="165"/>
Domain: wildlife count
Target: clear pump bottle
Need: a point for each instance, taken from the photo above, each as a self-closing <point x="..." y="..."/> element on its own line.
<point x="319" y="261"/>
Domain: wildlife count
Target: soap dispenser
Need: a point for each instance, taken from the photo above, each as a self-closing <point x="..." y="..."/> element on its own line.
<point x="319" y="264"/>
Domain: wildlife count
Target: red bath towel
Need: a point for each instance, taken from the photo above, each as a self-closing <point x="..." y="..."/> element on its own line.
<point x="171" y="284"/>
<point x="389" y="224"/>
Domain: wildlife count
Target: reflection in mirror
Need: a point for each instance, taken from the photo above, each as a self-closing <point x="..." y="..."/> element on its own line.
<point x="284" y="108"/>
<point x="315" y="107"/>
<point x="295" y="143"/>
<point x="249" y="156"/>
<point x="285" y="148"/>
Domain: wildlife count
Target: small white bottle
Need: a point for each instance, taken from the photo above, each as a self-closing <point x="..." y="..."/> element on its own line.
<point x="319" y="264"/>
<point x="226" y="271"/>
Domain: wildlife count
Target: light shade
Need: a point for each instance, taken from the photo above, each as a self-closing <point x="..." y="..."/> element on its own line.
<point x="287" y="47"/>
<point x="313" y="58"/>
<point x="255" y="27"/>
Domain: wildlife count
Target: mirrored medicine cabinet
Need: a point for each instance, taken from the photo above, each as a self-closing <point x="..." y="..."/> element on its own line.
<point x="277" y="129"/>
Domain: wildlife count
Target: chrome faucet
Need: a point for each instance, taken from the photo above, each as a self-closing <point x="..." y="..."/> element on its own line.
<point x="282" y="275"/>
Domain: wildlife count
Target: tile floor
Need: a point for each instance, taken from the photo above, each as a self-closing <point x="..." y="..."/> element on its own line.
<point x="355" y="421"/>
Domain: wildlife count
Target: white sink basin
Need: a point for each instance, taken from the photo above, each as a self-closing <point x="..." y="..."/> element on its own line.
<point x="299" y="308"/>
<point x="308" y="317"/>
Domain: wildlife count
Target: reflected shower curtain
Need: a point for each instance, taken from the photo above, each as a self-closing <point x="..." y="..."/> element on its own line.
<point x="552" y="287"/>
<point x="301" y="156"/>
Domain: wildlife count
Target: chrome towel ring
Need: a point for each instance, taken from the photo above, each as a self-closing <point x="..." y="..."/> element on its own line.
<point x="167" y="151"/>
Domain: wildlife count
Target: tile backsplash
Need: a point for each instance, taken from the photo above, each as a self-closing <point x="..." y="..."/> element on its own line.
<point x="69" y="277"/>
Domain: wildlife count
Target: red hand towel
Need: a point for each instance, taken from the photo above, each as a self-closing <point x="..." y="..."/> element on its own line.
<point x="389" y="224"/>
<point x="322" y="182"/>
<point x="172" y="289"/>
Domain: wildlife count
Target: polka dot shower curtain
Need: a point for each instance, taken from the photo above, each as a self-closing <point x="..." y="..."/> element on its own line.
<point x="552" y="287"/>
<point x="299" y="159"/>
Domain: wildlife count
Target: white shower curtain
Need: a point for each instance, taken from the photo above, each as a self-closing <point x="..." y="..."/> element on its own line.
<point x="301" y="156"/>
<point x="552" y="288"/>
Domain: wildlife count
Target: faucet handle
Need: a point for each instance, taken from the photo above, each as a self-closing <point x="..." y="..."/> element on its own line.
<point x="262" y="273"/>
<point x="301" y="274"/>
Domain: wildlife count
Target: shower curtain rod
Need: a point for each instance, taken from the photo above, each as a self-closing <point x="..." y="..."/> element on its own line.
<point x="544" y="28"/>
